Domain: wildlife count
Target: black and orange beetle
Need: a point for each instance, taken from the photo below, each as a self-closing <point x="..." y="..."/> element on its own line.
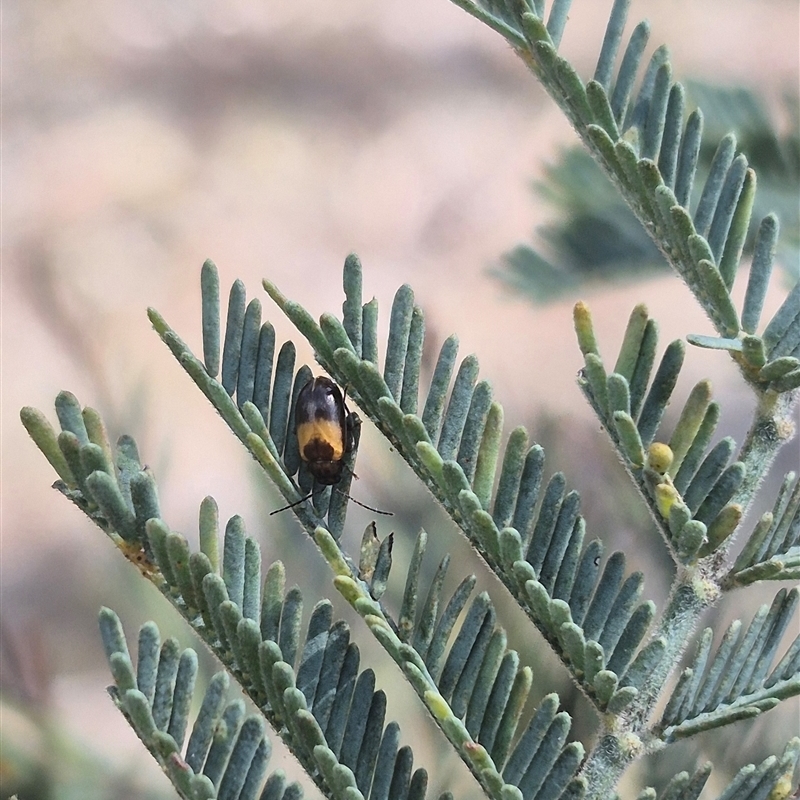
<point x="324" y="429"/>
<point x="325" y="434"/>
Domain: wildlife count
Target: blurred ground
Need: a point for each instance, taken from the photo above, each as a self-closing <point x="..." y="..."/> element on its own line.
<point x="140" y="138"/>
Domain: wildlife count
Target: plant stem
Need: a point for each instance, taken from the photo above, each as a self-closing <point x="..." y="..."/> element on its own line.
<point x="772" y="427"/>
<point x="693" y="591"/>
<point x="691" y="595"/>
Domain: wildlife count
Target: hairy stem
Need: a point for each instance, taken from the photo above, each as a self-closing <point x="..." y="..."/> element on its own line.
<point x="617" y="747"/>
<point x="773" y="426"/>
<point x="694" y="591"/>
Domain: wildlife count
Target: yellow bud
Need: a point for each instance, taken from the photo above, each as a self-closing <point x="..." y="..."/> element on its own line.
<point x="666" y="496"/>
<point x="659" y="457"/>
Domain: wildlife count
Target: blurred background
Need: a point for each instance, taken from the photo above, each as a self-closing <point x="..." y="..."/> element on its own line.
<point x="276" y="137"/>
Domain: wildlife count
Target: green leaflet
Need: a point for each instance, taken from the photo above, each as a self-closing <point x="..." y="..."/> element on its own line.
<point x="449" y="449"/>
<point x="740" y="679"/>
<point x="156" y="701"/>
<point x="589" y="612"/>
<point x="257" y="634"/>
<point x="647" y="149"/>
<point x="693" y="495"/>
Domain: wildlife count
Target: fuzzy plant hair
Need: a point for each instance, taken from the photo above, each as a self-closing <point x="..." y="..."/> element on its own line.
<point x="626" y="656"/>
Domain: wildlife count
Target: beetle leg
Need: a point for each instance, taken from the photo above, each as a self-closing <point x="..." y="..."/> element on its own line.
<point x="352" y="424"/>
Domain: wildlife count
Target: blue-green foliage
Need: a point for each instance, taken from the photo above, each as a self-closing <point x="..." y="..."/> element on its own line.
<point x="597" y="237"/>
<point x="227" y="752"/>
<point x="699" y="221"/>
<point x="326" y="710"/>
<point x="739" y="682"/>
<point x="527" y="526"/>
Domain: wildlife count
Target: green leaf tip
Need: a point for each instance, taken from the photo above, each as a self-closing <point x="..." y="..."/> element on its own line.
<point x="352" y="311"/>
<point x="632" y="341"/>
<point x="230" y="747"/>
<point x="209" y="291"/>
<point x="760" y="272"/>
<point x="584" y="329"/>
<point x="209" y="531"/>
<point x="44" y="437"/>
<point x="689" y="423"/>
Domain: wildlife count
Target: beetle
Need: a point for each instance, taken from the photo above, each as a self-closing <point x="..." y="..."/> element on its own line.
<point x="325" y="429"/>
<point x="325" y="434"/>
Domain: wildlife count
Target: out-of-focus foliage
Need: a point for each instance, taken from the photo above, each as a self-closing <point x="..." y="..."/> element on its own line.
<point x="40" y="757"/>
<point x="596" y="238"/>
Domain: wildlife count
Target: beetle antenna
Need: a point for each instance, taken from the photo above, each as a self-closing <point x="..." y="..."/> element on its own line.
<point x="364" y="505"/>
<point x="291" y="505"/>
<point x="344" y="494"/>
